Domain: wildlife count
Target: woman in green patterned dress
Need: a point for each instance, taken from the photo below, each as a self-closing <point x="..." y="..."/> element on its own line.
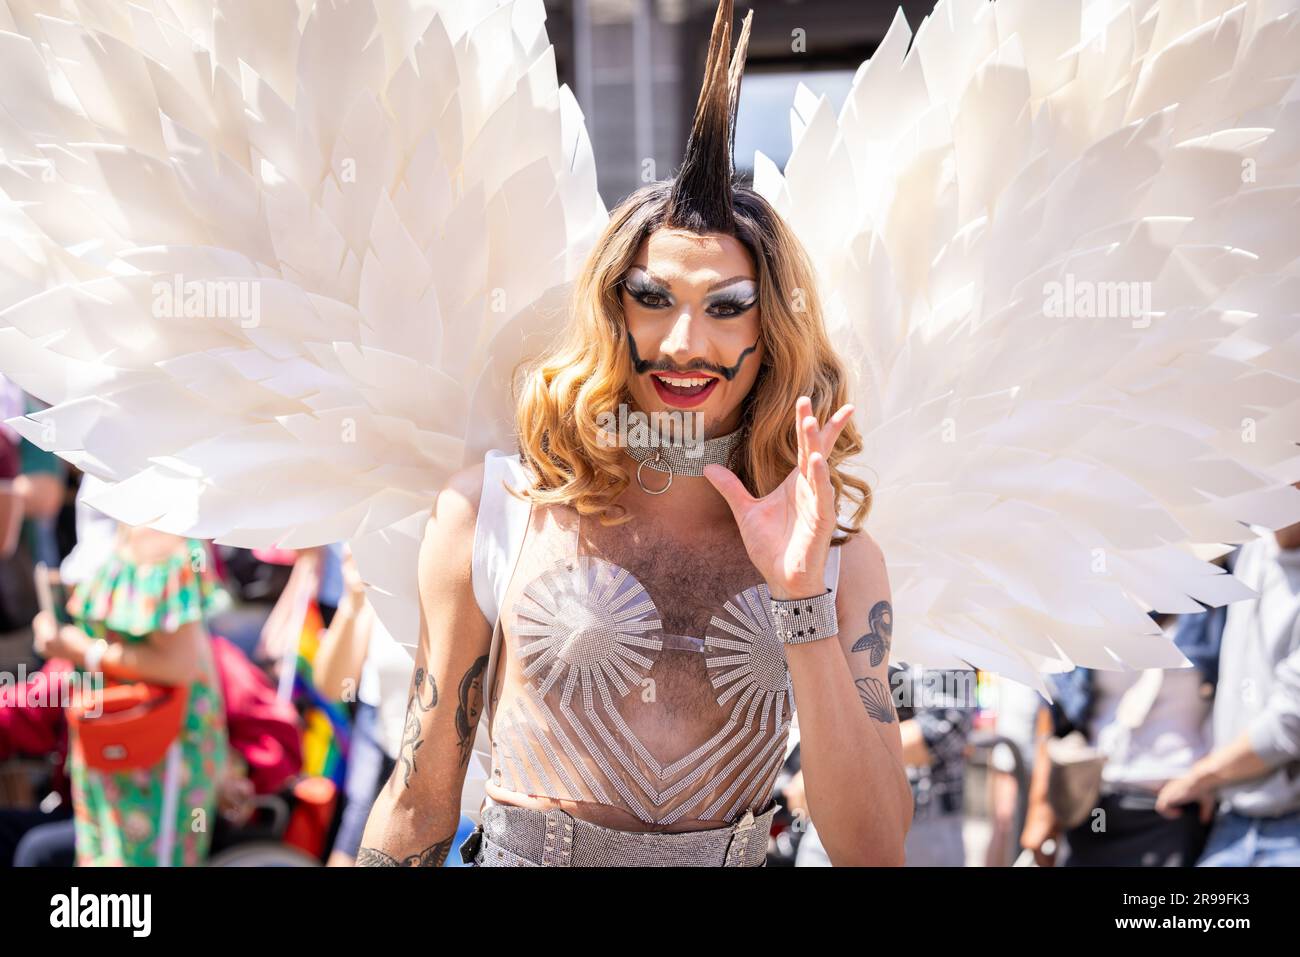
<point x="147" y="603"/>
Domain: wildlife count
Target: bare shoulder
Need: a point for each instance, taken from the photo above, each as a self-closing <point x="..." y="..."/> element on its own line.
<point x="457" y="504"/>
<point x="862" y="562"/>
<point x="447" y="550"/>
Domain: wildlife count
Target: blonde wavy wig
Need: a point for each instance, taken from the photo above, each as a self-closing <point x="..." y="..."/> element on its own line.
<point x="586" y="373"/>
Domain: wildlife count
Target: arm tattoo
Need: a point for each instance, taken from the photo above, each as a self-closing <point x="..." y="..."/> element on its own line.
<point x="877" y="640"/>
<point x="875" y="698"/>
<point x="432" y="856"/>
<point x="416" y="705"/>
<point x="369" y="857"/>
<point x="471" y="700"/>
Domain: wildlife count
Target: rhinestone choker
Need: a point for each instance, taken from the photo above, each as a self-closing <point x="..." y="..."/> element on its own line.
<point x="679" y="460"/>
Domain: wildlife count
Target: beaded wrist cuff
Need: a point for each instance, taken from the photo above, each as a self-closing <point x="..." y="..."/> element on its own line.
<point x="805" y="619"/>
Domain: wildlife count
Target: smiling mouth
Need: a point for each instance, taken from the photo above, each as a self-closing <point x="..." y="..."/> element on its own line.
<point x="684" y="390"/>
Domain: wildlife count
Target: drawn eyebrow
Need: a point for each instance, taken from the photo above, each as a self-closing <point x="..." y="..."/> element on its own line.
<point x="665" y="284"/>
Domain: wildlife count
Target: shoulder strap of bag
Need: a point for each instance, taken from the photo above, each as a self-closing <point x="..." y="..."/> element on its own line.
<point x="1136" y="702"/>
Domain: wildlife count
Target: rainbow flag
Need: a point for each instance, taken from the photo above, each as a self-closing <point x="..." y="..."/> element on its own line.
<point x="325" y="736"/>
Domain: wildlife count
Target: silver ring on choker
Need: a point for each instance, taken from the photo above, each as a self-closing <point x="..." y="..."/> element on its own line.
<point x="641" y="482"/>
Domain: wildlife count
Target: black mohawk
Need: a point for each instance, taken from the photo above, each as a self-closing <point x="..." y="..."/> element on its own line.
<point x="701" y="199"/>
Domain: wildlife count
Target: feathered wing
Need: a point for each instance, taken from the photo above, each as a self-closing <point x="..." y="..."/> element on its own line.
<point x="273" y="265"/>
<point x="1045" y="452"/>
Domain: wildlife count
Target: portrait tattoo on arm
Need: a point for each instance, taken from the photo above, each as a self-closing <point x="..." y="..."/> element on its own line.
<point x="432" y="856"/>
<point x="875" y="698"/>
<point x="419" y="703"/>
<point x="881" y="622"/>
<point x="471" y="701"/>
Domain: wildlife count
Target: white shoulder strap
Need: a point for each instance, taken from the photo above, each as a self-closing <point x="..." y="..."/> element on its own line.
<point x="833" y="568"/>
<point x="499" y="532"/>
<point x="498" y="539"/>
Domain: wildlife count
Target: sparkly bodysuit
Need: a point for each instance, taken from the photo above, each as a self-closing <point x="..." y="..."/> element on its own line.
<point x="637" y="676"/>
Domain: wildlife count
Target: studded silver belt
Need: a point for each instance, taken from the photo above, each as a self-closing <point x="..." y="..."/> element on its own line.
<point x="527" y="837"/>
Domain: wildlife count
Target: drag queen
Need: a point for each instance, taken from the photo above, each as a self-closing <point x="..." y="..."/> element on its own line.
<point x="641" y="700"/>
<point x="274" y="267"/>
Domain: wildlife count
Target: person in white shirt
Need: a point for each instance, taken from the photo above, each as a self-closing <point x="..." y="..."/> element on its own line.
<point x="1253" y="770"/>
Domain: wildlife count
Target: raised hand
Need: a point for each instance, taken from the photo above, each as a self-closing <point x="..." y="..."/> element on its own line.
<point x="788" y="532"/>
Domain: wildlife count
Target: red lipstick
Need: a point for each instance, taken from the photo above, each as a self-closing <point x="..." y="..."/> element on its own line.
<point x="683" y="397"/>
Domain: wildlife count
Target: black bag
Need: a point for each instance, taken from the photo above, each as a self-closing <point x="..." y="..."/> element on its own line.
<point x="18" y="602"/>
<point x="253" y="580"/>
<point x="1135" y="835"/>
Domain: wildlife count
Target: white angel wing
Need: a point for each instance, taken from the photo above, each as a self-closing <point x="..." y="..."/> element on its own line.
<point x="273" y="265"/>
<point x="260" y="258"/>
<point x="1058" y="242"/>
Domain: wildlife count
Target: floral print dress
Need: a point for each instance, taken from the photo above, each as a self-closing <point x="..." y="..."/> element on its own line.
<point x="117" y="815"/>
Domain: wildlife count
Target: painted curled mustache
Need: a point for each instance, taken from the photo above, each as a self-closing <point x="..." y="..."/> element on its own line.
<point x="643" y="366"/>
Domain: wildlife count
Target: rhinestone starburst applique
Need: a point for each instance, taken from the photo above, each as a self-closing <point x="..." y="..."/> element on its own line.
<point x="587" y="635"/>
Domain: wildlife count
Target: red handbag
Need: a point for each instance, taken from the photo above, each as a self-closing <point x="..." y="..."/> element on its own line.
<point x="125" y="726"/>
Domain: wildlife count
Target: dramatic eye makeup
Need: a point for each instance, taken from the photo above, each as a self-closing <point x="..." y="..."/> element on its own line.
<point x="727" y="299"/>
<point x="647" y="291"/>
<point x="734" y="297"/>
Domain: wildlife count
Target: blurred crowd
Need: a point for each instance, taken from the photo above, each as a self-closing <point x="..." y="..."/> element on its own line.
<point x="248" y="703"/>
<point x="1161" y="767"/>
<point x="252" y="705"/>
